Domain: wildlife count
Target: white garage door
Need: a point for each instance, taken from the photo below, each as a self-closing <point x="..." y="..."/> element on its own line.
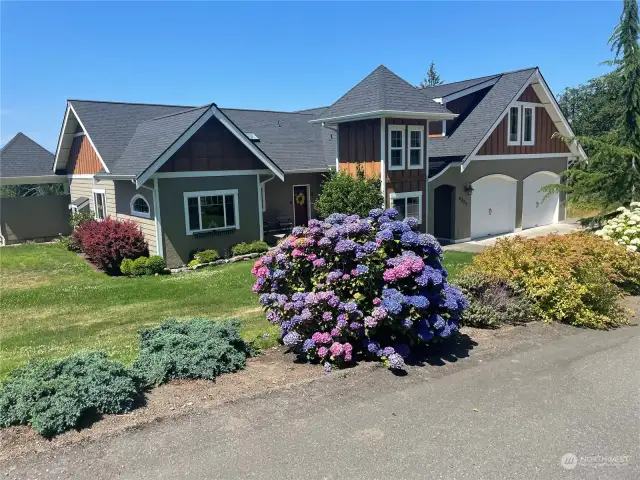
<point x="493" y="205"/>
<point x="535" y="210"/>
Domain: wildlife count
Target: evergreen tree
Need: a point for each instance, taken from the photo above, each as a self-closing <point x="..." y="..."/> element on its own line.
<point x="432" y="79"/>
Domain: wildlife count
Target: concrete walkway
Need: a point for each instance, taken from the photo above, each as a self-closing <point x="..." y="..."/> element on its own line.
<point x="478" y="245"/>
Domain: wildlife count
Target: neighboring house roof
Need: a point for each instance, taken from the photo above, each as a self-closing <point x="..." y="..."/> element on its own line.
<point x="22" y="157"/>
<point x="382" y="91"/>
<point x="313" y="111"/>
<point x="131" y="136"/>
<point x="481" y="119"/>
<point x="445" y="89"/>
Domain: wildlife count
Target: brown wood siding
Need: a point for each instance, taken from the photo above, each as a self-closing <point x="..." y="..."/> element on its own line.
<point x="359" y="143"/>
<point x="529" y="95"/>
<point x="496" y="144"/>
<point x="435" y="129"/>
<point x="213" y="147"/>
<point x="414" y="180"/>
<point x="83" y="159"/>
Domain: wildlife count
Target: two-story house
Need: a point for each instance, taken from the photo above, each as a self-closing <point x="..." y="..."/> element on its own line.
<point x="467" y="159"/>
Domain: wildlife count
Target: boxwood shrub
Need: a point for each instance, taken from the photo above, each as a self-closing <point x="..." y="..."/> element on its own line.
<point x="257" y="246"/>
<point x="198" y="348"/>
<point x="55" y="396"/>
<point x="143" y="266"/>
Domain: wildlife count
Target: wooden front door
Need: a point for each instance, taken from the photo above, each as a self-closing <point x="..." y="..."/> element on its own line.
<point x="300" y="205"/>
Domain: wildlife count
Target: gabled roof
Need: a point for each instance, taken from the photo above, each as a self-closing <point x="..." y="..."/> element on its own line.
<point x="383" y="92"/>
<point x="130" y="137"/>
<point x="22" y="157"/>
<point x="481" y="119"/>
<point x="445" y="89"/>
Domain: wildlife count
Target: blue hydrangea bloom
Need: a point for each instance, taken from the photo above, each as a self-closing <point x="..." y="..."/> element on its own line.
<point x="424" y="332"/>
<point x="362" y="269"/>
<point x="391" y="212"/>
<point x="409" y="239"/>
<point x="373" y="347"/>
<point x="396" y="362"/>
<point x="345" y="246"/>
<point x="308" y="345"/>
<point x="392" y="306"/>
<point x="428" y="276"/>
<point x="384" y="235"/>
<point x="370" y="247"/>
<point x="297" y="231"/>
<point x="386" y="351"/>
<point x="291" y="339"/>
<point x="375" y="212"/>
<point x="418" y="301"/>
<point x="437" y="321"/>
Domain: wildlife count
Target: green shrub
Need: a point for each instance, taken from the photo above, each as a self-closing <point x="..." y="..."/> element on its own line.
<point x="576" y="279"/>
<point x="345" y="193"/>
<point x="78" y="218"/>
<point x="139" y="266"/>
<point x="244" y="248"/>
<point x="68" y="244"/>
<point x="198" y="348"/>
<point x="126" y="267"/>
<point x="54" y="397"/>
<point x="206" y="256"/>
<point x="493" y="301"/>
<point x="193" y="263"/>
<point x="155" y="264"/>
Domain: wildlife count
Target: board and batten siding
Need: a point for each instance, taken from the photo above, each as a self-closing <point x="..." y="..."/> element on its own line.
<point x="83" y="159"/>
<point x="496" y="144"/>
<point x="359" y="143"/>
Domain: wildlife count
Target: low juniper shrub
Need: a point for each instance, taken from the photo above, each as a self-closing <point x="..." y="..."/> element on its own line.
<point x="55" y="396"/>
<point x="198" y="348"/>
<point x="493" y="301"/>
<point x="351" y="285"/>
<point x="206" y="256"/>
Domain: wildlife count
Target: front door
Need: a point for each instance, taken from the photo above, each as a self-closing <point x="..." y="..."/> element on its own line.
<point x="300" y="205"/>
<point x="443" y="200"/>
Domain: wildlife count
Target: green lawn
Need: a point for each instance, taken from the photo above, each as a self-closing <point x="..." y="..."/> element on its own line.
<point x="53" y="303"/>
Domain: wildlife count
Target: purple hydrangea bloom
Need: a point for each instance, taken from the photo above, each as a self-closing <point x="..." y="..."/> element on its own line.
<point x="409" y="239"/>
<point x="362" y="269"/>
<point x="324" y="242"/>
<point x="411" y="221"/>
<point x="373" y="347"/>
<point x="297" y="231"/>
<point x="291" y="339"/>
<point x="437" y="321"/>
<point x="386" y="351"/>
<point x="384" y="235"/>
<point x="342" y="321"/>
<point x="327" y="317"/>
<point x="395" y="361"/>
<point x="391" y="212"/>
<point x="383" y="219"/>
<point x="408" y="322"/>
<point x="350" y="307"/>
<point x="327" y="367"/>
<point x="418" y="301"/>
<point x="277" y="274"/>
<point x="267" y="260"/>
<point x="370" y="322"/>
<point x="334" y="276"/>
<point x="345" y="246"/>
<point x="355" y="326"/>
<point x="375" y="212"/>
<point x="335" y="218"/>
<point x="428" y="276"/>
<point x="369" y="247"/>
<point x="392" y="306"/>
<point x="308" y="345"/>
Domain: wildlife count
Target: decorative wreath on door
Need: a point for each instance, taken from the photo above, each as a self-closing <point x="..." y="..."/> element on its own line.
<point x="300" y="199"/>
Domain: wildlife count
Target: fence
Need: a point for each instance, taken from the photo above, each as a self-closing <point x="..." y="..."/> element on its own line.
<point x="34" y="218"/>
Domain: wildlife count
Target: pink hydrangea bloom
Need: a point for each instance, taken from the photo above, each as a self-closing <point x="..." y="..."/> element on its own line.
<point x="317" y="337"/>
<point x="347" y="347"/>
<point x="322" y="352"/>
<point x="262" y="272"/>
<point x="377" y="301"/>
<point x="335" y="332"/>
<point x="346" y="276"/>
<point x="326" y="337"/>
<point x="297" y="253"/>
<point x="347" y="357"/>
<point x="336" y="349"/>
<point x="311" y="257"/>
<point x="257" y="265"/>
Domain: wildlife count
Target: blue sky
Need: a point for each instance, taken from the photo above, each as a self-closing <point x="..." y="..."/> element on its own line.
<point x="274" y="56"/>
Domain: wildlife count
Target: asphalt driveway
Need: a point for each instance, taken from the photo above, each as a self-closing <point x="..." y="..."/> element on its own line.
<point x="510" y="410"/>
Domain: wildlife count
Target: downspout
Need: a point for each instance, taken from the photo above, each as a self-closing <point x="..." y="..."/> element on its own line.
<point x="261" y="186"/>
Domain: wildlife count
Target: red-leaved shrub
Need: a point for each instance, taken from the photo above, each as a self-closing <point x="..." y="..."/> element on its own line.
<point x="106" y="243"/>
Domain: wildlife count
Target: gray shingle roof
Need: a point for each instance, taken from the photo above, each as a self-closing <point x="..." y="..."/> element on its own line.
<point x="111" y="125"/>
<point x="288" y="138"/>
<point x="152" y="138"/>
<point x="22" y="157"/>
<point x="475" y="126"/>
<point x="445" y="89"/>
<point x="382" y="90"/>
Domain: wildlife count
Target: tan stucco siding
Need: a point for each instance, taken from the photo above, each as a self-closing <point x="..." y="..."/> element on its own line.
<point x="279" y="194"/>
<point x="178" y="245"/>
<point x="518" y="169"/>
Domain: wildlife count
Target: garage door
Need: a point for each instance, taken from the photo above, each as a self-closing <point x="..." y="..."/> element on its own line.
<point x="535" y="210"/>
<point x="493" y="205"/>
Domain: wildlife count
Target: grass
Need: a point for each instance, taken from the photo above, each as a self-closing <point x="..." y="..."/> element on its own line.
<point x="53" y="303"/>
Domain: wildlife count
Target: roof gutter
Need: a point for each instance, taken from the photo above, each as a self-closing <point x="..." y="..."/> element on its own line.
<point x="108" y="176"/>
<point x="386" y="113"/>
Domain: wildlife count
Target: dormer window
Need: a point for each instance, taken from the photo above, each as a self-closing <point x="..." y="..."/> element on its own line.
<point x="396" y="147"/>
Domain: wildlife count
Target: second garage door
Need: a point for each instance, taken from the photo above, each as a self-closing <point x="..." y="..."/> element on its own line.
<point x="493" y="205"/>
<point x="536" y="209"/>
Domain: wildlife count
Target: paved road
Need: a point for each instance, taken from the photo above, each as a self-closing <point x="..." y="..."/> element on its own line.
<point x="496" y="414"/>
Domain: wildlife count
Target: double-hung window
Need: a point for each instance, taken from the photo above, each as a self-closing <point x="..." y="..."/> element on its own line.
<point x="396" y="147"/>
<point x="416" y="140"/>
<point x="514" y="126"/>
<point x="408" y="204"/>
<point x="528" y="125"/>
<point x="209" y="211"/>
<point x="99" y="205"/>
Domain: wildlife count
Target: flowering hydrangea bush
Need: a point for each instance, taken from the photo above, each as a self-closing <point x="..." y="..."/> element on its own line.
<point x="625" y="228"/>
<point x="351" y="285"/>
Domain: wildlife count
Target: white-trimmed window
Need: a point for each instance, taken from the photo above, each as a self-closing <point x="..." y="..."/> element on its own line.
<point x="408" y="204"/>
<point x="513" y="125"/>
<point x="528" y="125"/>
<point x="99" y="205"/>
<point x="416" y="146"/>
<point x="140" y="207"/>
<point x="209" y="211"/>
<point x="396" y="147"/>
